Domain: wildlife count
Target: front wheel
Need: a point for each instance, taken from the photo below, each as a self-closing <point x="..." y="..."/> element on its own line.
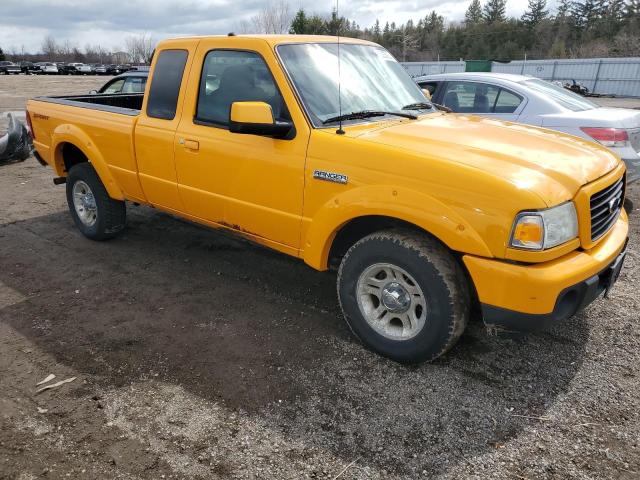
<point x="403" y="295"/>
<point x="97" y="216"/>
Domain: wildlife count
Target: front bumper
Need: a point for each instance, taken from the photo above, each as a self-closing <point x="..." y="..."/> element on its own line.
<point x="530" y="296"/>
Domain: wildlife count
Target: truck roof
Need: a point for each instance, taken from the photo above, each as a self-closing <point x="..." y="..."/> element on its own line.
<point x="274" y="40"/>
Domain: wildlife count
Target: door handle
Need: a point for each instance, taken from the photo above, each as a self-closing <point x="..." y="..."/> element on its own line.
<point x="190" y="144"/>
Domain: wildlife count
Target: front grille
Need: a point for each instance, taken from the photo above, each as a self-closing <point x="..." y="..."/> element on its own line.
<point x="605" y="208"/>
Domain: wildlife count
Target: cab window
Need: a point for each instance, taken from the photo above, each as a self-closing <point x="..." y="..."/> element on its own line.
<point x="165" y="85"/>
<point x="235" y="76"/>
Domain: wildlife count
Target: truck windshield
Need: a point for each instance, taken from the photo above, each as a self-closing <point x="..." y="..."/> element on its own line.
<point x="371" y="80"/>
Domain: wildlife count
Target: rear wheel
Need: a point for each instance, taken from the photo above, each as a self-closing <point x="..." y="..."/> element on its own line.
<point x="403" y="295"/>
<point x="97" y="216"/>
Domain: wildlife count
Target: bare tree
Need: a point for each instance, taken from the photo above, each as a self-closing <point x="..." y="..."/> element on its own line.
<point x="140" y="47"/>
<point x="274" y="18"/>
<point x="49" y="47"/>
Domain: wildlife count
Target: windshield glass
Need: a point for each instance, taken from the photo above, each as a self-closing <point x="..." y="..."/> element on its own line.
<point x="564" y="97"/>
<point x="371" y="79"/>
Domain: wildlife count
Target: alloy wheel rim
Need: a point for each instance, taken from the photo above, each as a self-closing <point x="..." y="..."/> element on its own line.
<point x="391" y="301"/>
<point x="84" y="203"/>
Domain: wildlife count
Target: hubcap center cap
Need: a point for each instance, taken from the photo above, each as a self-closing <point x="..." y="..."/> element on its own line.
<point x="395" y="298"/>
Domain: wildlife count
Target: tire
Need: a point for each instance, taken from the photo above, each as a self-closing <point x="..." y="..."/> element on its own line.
<point x="440" y="303"/>
<point x="97" y="216"/>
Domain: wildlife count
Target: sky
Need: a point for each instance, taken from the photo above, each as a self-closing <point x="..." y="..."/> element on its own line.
<point x="24" y="23"/>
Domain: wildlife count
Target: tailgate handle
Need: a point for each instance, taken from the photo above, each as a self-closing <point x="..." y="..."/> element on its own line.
<point x="191" y="144"/>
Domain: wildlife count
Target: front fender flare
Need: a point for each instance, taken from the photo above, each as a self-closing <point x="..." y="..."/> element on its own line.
<point x="403" y="204"/>
<point x="67" y="133"/>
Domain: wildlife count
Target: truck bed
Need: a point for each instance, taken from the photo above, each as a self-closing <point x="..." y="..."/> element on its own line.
<point x="126" y="104"/>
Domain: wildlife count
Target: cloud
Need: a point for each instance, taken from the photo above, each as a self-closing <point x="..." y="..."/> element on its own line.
<point x="24" y="23"/>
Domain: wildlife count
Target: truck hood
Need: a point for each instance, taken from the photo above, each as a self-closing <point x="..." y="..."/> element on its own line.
<point x="551" y="164"/>
<point x="595" y="117"/>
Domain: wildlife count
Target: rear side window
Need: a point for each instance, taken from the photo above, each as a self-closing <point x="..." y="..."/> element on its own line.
<point x="478" y="97"/>
<point x="165" y="84"/>
<point x="507" y="102"/>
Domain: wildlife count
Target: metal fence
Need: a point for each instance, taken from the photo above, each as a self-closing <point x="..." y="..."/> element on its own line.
<point x="416" y="69"/>
<point x="605" y="76"/>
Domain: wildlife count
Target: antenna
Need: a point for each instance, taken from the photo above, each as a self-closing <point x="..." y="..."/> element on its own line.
<point x="340" y="131"/>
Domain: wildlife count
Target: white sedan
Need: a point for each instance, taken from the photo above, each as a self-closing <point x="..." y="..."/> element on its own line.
<point x="533" y="101"/>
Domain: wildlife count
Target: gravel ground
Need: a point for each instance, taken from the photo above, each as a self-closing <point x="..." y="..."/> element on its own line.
<point x="198" y="355"/>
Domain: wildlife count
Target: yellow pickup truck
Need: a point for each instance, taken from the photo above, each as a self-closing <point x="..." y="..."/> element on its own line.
<point x="330" y="153"/>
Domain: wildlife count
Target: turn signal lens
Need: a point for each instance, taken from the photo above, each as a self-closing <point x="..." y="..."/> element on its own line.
<point x="545" y="228"/>
<point x="528" y="232"/>
<point x="609" y="137"/>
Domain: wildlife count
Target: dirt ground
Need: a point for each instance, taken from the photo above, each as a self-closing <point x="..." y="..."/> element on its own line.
<point x="200" y="356"/>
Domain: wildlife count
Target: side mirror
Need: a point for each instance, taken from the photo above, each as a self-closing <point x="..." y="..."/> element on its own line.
<point x="93" y="92"/>
<point x="426" y="93"/>
<point x="256" y="118"/>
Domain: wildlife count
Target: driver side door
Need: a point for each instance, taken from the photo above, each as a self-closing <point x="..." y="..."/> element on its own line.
<point x="250" y="183"/>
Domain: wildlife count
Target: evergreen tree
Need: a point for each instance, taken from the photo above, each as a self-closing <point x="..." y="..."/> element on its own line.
<point x="535" y="13"/>
<point x="299" y="24"/>
<point x="2" y="57"/>
<point x="494" y="11"/>
<point x="474" y="13"/>
<point x="584" y="14"/>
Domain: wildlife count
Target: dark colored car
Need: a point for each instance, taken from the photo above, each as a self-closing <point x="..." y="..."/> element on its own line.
<point x="29" y="68"/>
<point x="114" y="69"/>
<point x="69" y="68"/>
<point x="9" y="68"/>
<point x="130" y="82"/>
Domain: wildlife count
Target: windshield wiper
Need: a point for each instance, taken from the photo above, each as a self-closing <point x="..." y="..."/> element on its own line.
<point x="418" y="106"/>
<point x="367" y="114"/>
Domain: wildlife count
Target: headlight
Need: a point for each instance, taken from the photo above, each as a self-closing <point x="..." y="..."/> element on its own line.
<point x="545" y="228"/>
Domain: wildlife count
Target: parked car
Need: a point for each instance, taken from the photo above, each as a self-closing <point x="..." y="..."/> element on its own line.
<point x="130" y="82"/>
<point x="86" y="69"/>
<point x="533" y="101"/>
<point x="426" y="215"/>
<point x="47" y="68"/>
<point x="69" y="68"/>
<point x="100" y="70"/>
<point x="9" y="68"/>
<point x="29" y="68"/>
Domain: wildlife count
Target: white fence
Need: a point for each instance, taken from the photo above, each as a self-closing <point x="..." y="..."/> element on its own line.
<point x="606" y="76"/>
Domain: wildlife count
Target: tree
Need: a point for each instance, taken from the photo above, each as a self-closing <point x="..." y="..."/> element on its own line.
<point x="49" y="47"/>
<point x="474" y="13"/>
<point x="535" y="13"/>
<point x="274" y="18"/>
<point x="2" y="57"/>
<point x="494" y="11"/>
<point x="139" y="47"/>
<point x="300" y="23"/>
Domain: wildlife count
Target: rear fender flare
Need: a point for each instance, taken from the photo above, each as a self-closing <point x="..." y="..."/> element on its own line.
<point x="67" y="133"/>
<point x="416" y="208"/>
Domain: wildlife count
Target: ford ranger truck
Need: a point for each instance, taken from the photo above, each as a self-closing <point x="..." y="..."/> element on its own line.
<point x="332" y="154"/>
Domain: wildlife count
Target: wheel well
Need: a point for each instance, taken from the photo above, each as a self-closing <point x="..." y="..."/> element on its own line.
<point x="359" y="228"/>
<point x="72" y="155"/>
